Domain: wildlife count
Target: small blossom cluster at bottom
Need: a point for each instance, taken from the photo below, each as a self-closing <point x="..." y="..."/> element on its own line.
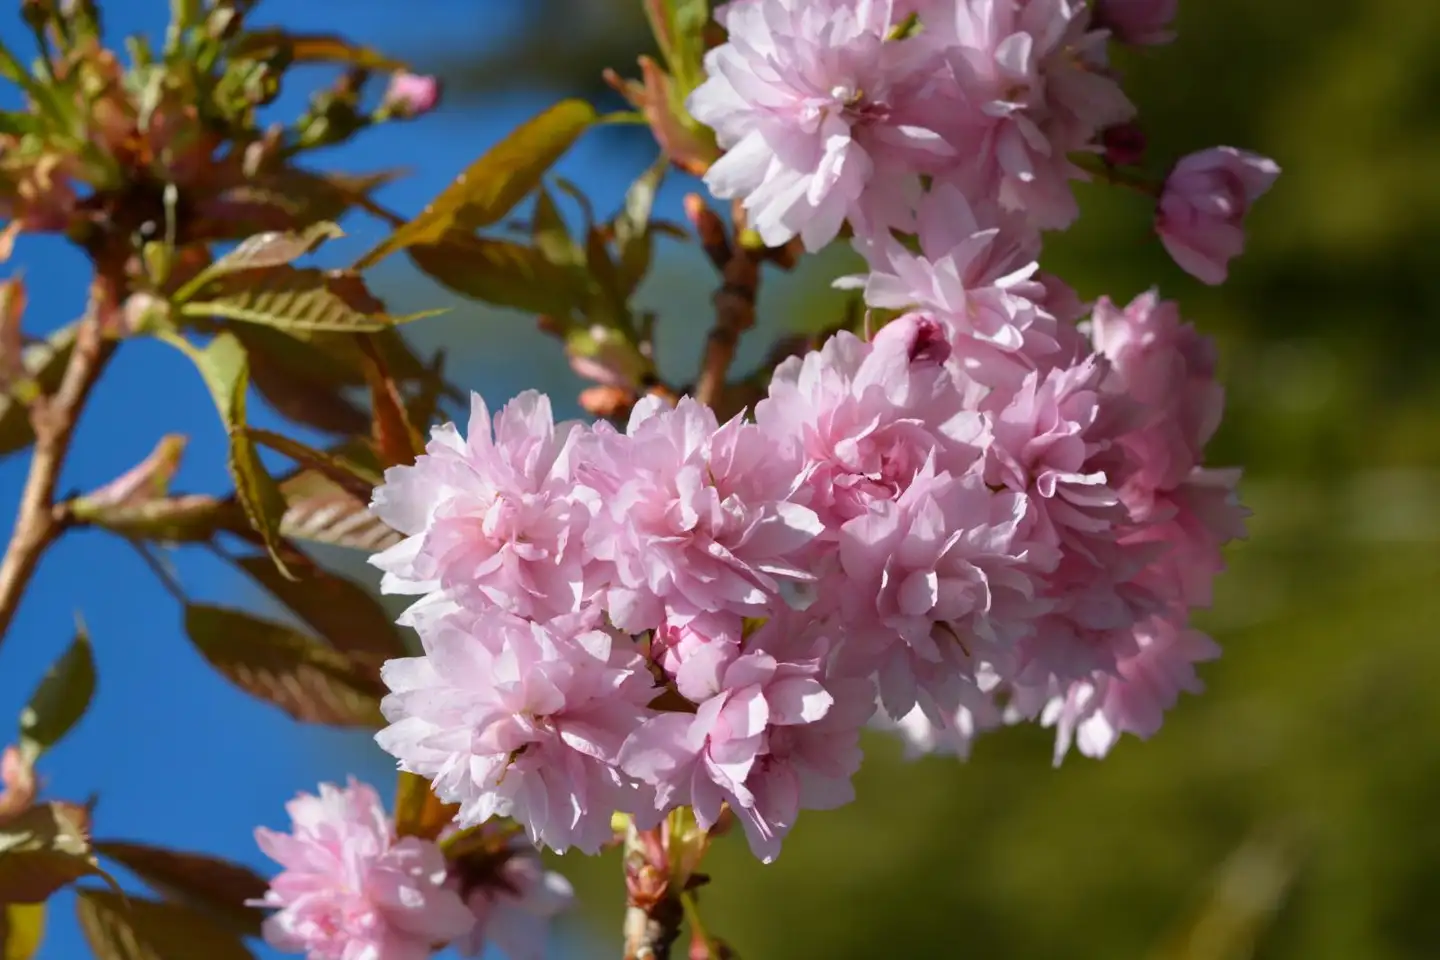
<point x="983" y="514"/>
<point x="350" y="890"/>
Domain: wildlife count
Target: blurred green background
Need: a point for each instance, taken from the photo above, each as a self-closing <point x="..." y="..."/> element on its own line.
<point x="1291" y="810"/>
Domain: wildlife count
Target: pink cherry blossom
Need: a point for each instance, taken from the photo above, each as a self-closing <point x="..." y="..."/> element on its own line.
<point x="1202" y="210"/>
<point x="694" y="518"/>
<point x="1168" y="369"/>
<point x="495" y="518"/>
<point x="761" y="741"/>
<point x="935" y="583"/>
<point x="513" y="901"/>
<point x="1139" y="22"/>
<point x="820" y="115"/>
<point x="1032" y="85"/>
<point x="349" y="889"/>
<point x="864" y="418"/>
<point x="1094" y="714"/>
<point x="510" y="717"/>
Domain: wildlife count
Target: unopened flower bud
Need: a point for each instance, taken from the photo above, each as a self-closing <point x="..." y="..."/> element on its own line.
<point x="1202" y="210"/>
<point x="410" y="95"/>
<point x="1124" y="145"/>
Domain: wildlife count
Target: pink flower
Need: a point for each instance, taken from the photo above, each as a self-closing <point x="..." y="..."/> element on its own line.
<point x="694" y="517"/>
<point x="1033" y="86"/>
<point x="1138" y="22"/>
<point x="819" y="114"/>
<point x="976" y="272"/>
<point x="760" y="742"/>
<point x="934" y="584"/>
<point x="349" y="890"/>
<point x="513" y="718"/>
<point x="1168" y="369"/>
<point x="513" y="899"/>
<point x="1202" y="210"/>
<point x="1134" y="699"/>
<point x="411" y="95"/>
<point x="494" y="520"/>
<point x="693" y="652"/>
<point x="1054" y="440"/>
<point x="865" y="418"/>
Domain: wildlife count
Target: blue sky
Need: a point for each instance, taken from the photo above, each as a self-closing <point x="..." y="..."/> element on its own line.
<point x="176" y="755"/>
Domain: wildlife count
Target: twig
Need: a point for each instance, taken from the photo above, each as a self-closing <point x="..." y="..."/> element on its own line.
<point x="734" y="301"/>
<point x="653" y="912"/>
<point x="40" y="520"/>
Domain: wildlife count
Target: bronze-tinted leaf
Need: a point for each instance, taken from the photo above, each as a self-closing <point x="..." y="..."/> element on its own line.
<point x="273" y="248"/>
<point x="61" y="699"/>
<point x="295" y="299"/>
<point x="22" y="928"/>
<point x="192" y="518"/>
<point x="43" y="364"/>
<point x="418" y="813"/>
<point x="492" y="186"/>
<point x="129" y="928"/>
<point x="304" y="396"/>
<point x="353" y="477"/>
<point x="396" y="440"/>
<point x="319" y="511"/>
<point x="341" y="611"/>
<point x="41" y="850"/>
<point x="295" y="672"/>
<point x="503" y="273"/>
<point x="310" y="48"/>
<point x="289" y="198"/>
<point x="216" y="886"/>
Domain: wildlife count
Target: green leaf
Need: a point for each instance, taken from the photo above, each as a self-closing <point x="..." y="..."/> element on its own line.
<point x="41" y="850"/>
<point x="549" y="233"/>
<point x="296" y="299"/>
<point x="634" y="241"/>
<point x="492" y="186"/>
<point x="418" y="813"/>
<point x="353" y="477"/>
<point x="341" y="611"/>
<point x="275" y="248"/>
<point x="60" y="700"/>
<point x="503" y="273"/>
<point x="121" y="928"/>
<point x="310" y="48"/>
<point x="307" y="680"/>
<point x="22" y="928"/>
<point x="224" y="366"/>
<point x="44" y="365"/>
<point x="216" y="886"/>
<point x="679" y="27"/>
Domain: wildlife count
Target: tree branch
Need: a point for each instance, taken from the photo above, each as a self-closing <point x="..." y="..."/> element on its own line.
<point x="734" y="301"/>
<point x="39" y="520"/>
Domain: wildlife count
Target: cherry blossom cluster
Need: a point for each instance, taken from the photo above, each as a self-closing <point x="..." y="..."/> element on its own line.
<point x="985" y="513"/>
<point x="349" y="889"/>
<point x="991" y="508"/>
<point x="842" y="112"/>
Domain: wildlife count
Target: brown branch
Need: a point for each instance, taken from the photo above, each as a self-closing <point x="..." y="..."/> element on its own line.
<point x="734" y="301"/>
<point x="40" y="520"/>
<point x="653" y="911"/>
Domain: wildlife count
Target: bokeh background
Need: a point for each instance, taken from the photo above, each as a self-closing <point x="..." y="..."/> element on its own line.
<point x="1288" y="813"/>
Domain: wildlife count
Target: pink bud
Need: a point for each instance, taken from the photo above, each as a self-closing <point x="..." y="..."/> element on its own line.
<point x="17" y="783"/>
<point x="411" y="95"/>
<point x="1202" y="209"/>
<point x="1124" y="145"/>
<point x="1138" y="22"/>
